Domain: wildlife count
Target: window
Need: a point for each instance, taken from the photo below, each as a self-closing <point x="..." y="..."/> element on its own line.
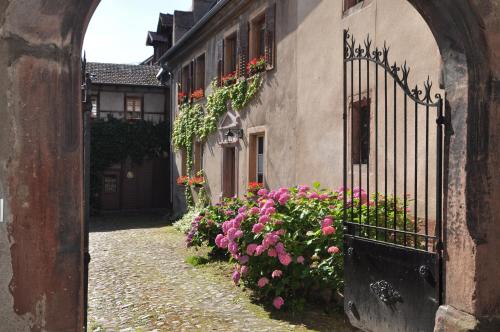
<point x="133" y="107"/>
<point x="258" y="37"/>
<point x="256" y="166"/>
<point x="200" y="73"/>
<point x="350" y="3"/>
<point x="230" y="54"/>
<point x="260" y="159"/>
<point x="110" y="184"/>
<point x="360" y="141"/>
<point x="198" y="157"/>
<point x="93" y="113"/>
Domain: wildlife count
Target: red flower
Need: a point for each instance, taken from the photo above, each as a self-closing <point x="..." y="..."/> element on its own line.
<point x="182" y="180"/>
<point x="197" y="94"/>
<point x="196" y="181"/>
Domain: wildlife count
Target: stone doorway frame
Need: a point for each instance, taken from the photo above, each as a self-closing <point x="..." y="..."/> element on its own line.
<point x="41" y="144"/>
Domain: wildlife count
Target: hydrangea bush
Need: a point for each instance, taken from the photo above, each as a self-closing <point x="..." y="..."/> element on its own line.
<point x="286" y="244"/>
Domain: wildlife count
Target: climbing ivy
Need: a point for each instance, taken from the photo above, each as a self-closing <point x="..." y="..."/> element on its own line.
<point x="192" y="122"/>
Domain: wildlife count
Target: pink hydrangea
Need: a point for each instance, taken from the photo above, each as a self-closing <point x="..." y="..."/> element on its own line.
<point x="323" y="197"/>
<point x="231" y="234"/>
<point x="328" y="230"/>
<point x="264" y="219"/>
<point x="242" y="209"/>
<point x="262" y="192"/>
<point x="285" y="259"/>
<point x="303" y="189"/>
<point x="278" y="302"/>
<point x="257" y="228"/>
<point x="244" y="259"/>
<point x="277" y="274"/>
<point x="284" y="199"/>
<point x="218" y="238"/>
<point x="259" y="250"/>
<point x="301" y="195"/>
<point x="233" y="247"/>
<point x="251" y="248"/>
<point x="328" y="221"/>
<point x="333" y="250"/>
<point x="238" y="234"/>
<point x="244" y="270"/>
<point x="272" y="252"/>
<point x="262" y="282"/>
<point x="236" y="277"/>
<point x="280" y="248"/>
<point x="254" y="210"/>
<point x="224" y="242"/>
<point x="300" y="259"/>
<point x="313" y="195"/>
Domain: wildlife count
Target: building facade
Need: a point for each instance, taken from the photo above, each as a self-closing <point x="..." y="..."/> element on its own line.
<point x="131" y="93"/>
<point x="292" y="133"/>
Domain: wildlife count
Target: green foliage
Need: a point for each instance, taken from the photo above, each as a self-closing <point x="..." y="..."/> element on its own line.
<point x="113" y="141"/>
<point x="193" y="122"/>
<point x="187" y="125"/>
<point x="184" y="223"/>
<point x="197" y="260"/>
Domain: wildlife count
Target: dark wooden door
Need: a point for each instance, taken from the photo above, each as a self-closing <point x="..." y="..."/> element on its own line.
<point x="229" y="172"/>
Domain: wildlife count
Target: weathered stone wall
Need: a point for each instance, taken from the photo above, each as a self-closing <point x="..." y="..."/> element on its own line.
<point x="41" y="164"/>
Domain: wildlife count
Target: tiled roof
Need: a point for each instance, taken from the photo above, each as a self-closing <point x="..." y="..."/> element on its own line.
<point x="119" y="74"/>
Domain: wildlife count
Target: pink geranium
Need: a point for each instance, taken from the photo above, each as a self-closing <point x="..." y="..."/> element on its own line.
<point x="244" y="259"/>
<point x="300" y="259"/>
<point x="254" y="210"/>
<point x="262" y="282"/>
<point x="262" y="192"/>
<point x="278" y="302"/>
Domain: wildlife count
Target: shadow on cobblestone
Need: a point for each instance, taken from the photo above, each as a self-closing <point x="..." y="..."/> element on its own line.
<point x="140" y="281"/>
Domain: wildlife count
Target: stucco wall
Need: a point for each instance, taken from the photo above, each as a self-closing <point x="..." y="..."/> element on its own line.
<point x="300" y="105"/>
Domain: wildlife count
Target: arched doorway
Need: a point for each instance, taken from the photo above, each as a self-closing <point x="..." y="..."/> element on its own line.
<point x="41" y="158"/>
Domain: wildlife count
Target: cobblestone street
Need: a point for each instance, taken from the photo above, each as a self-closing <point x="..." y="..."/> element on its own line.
<point x="139" y="281"/>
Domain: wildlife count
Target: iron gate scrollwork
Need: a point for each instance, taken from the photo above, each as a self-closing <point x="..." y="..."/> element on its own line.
<point x="393" y="166"/>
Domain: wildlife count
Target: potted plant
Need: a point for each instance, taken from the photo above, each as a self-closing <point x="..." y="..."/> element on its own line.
<point x="229" y="79"/>
<point x="198" y="94"/>
<point x="197" y="181"/>
<point x="181" y="97"/>
<point x="183" y="180"/>
<point x="256" y="65"/>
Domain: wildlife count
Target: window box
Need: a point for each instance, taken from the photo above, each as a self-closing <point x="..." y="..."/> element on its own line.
<point x="256" y="65"/>
<point x="229" y="79"/>
<point x="181" y="98"/>
<point x="198" y="94"/>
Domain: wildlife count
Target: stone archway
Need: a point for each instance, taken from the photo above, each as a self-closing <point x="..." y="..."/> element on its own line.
<point x="41" y="157"/>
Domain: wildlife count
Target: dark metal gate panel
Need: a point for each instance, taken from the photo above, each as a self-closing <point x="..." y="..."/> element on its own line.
<point x="393" y="156"/>
<point x="391" y="288"/>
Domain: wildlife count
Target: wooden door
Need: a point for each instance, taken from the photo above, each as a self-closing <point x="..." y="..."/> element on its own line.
<point x="229" y="172"/>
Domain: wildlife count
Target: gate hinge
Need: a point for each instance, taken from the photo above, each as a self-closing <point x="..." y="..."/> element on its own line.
<point x="441" y="120"/>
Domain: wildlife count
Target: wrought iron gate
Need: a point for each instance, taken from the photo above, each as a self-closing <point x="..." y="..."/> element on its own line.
<point x="393" y="148"/>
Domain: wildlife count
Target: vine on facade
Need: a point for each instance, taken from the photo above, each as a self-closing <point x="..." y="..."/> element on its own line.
<point x="192" y="122"/>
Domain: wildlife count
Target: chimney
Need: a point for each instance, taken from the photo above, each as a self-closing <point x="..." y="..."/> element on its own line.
<point x="183" y="21"/>
<point x="201" y="7"/>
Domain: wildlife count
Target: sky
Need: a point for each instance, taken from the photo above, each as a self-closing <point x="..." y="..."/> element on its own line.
<point x="117" y="32"/>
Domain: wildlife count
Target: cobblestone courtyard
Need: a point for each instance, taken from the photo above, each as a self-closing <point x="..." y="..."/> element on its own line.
<point x="140" y="281"/>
